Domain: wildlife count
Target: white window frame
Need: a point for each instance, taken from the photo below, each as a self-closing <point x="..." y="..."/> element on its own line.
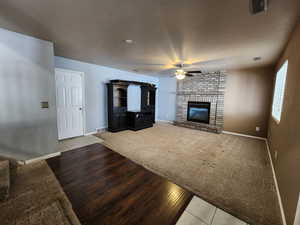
<point x="279" y="92"/>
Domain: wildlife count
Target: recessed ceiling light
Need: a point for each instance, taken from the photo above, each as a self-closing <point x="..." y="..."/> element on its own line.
<point x="257" y="58"/>
<point x="128" y="41"/>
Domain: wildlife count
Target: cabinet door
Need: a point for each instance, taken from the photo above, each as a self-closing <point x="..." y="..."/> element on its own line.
<point x="144" y="97"/>
<point x="123" y="120"/>
<point x="115" y="122"/>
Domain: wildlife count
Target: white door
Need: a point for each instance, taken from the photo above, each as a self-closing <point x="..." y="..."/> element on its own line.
<point x="69" y="103"/>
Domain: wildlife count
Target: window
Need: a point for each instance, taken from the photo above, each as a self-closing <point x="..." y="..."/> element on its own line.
<point x="279" y="92"/>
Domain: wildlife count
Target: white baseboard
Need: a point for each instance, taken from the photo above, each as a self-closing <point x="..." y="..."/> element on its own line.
<point x="90" y="133"/>
<point x="297" y="217"/>
<point x="272" y="166"/>
<point x="276" y="185"/>
<point x="95" y="132"/>
<point x="101" y="128"/>
<point x="244" y="135"/>
<point x="164" y="121"/>
<point x="40" y="158"/>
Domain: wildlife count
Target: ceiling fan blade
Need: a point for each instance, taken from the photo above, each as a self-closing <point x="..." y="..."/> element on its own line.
<point x="210" y="61"/>
<point x="148" y="64"/>
<point x="189" y="74"/>
<point x="195" y="71"/>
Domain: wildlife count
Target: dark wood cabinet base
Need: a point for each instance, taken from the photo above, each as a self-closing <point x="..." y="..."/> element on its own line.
<point x="140" y="128"/>
<point x="139" y="120"/>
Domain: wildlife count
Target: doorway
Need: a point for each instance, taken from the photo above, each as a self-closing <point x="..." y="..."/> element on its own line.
<point x="70" y="103"/>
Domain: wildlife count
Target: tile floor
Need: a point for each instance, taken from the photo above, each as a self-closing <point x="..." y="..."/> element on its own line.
<point x="200" y="212"/>
<point x="77" y="142"/>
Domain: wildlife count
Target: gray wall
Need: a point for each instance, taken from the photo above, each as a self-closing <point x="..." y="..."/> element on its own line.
<point x="167" y="98"/>
<point x="26" y="79"/>
<point x="95" y="90"/>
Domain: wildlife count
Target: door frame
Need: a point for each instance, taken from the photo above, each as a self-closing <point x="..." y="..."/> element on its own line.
<point x="82" y="74"/>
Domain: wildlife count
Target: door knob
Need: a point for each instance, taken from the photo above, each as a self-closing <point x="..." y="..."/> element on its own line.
<point x="80" y="108"/>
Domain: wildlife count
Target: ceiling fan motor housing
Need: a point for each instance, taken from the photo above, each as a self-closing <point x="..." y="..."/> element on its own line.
<point x="180" y="65"/>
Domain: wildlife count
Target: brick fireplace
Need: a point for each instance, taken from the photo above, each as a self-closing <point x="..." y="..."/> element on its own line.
<point x="193" y="97"/>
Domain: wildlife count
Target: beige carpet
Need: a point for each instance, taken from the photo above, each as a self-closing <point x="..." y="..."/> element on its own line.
<point x="231" y="172"/>
<point x="36" y="198"/>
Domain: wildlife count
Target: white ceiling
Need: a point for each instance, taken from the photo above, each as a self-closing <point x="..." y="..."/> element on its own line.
<point x="216" y="34"/>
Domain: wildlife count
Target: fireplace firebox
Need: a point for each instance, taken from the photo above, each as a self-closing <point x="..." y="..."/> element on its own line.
<point x="198" y="112"/>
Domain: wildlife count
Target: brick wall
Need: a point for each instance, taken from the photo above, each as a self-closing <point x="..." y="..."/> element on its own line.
<point x="202" y="88"/>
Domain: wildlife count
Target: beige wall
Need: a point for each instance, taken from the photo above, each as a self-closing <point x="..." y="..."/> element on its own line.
<point x="248" y="97"/>
<point x="285" y="136"/>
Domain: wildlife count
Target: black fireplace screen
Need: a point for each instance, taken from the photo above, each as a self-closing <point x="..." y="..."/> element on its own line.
<point x="198" y="112"/>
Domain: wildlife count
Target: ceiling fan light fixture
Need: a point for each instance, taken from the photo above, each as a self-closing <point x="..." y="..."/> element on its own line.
<point x="180" y="71"/>
<point x="180" y="74"/>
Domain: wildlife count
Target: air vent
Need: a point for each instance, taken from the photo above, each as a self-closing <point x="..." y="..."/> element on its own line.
<point x="258" y="6"/>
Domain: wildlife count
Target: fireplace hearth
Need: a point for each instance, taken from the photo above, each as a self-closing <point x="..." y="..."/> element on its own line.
<point x="198" y="112"/>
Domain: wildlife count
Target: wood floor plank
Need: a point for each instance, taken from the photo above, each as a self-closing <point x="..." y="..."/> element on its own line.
<point x="106" y="188"/>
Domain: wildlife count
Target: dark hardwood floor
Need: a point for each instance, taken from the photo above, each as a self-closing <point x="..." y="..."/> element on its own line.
<point x="106" y="188"/>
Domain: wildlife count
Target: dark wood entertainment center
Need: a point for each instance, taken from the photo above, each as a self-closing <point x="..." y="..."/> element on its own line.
<point x="119" y="118"/>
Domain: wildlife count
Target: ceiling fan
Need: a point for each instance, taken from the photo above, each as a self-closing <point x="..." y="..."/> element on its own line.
<point x="180" y="73"/>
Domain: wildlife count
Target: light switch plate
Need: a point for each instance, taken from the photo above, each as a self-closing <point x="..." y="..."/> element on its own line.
<point x="45" y="105"/>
